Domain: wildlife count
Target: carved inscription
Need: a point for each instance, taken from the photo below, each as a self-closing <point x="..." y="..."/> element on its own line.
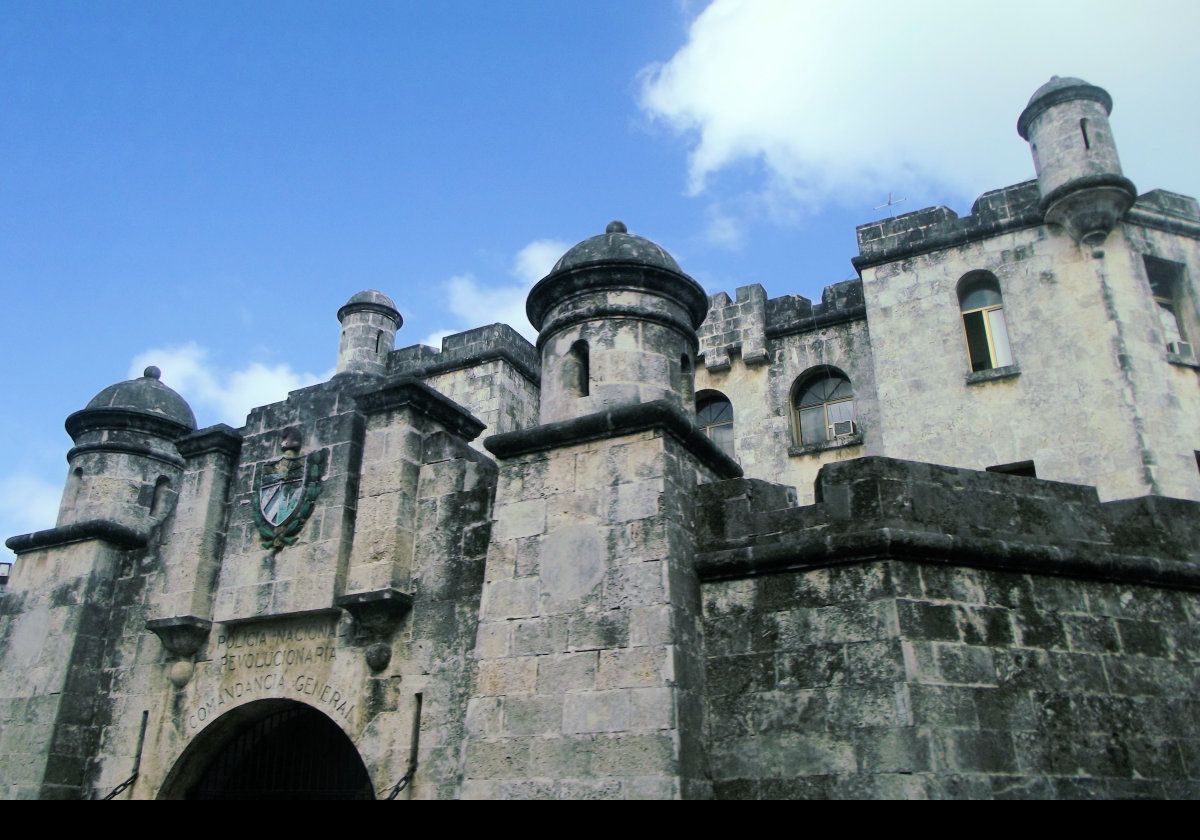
<point x="251" y="648"/>
<point x="277" y="661"/>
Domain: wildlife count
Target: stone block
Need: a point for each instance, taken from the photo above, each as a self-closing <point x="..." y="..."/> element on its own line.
<point x="596" y="711"/>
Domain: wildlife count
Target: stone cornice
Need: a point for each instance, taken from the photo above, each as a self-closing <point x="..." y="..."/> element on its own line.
<point x="105" y="530"/>
<point x="616" y="422"/>
<point x="89" y="419"/>
<point x="408" y="392"/>
<point x="829" y="547"/>
<point x="220" y="438"/>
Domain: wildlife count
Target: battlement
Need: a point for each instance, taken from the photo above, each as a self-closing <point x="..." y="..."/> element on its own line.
<point x="468" y="349"/>
<point x="998" y="211"/>
<point x="744" y="323"/>
<point x="873" y="506"/>
<point x="934" y="228"/>
<point x="1168" y="211"/>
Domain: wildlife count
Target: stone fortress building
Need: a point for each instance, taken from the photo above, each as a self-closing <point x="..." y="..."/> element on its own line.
<point x="937" y="535"/>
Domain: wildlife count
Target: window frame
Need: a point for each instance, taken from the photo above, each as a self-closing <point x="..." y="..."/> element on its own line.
<point x="803" y="384"/>
<point x="966" y="284"/>
<point x="706" y="398"/>
<point x="1166" y="281"/>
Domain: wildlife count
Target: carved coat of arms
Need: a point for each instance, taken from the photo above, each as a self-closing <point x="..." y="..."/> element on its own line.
<point x="286" y="493"/>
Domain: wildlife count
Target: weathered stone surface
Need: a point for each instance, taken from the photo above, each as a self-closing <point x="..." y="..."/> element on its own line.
<point x="595" y="604"/>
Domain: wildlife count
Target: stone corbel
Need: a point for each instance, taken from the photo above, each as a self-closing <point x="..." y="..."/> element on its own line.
<point x="376" y="616"/>
<point x="182" y="636"/>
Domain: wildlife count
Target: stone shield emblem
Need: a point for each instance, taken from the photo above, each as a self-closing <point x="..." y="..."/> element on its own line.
<point x="286" y="494"/>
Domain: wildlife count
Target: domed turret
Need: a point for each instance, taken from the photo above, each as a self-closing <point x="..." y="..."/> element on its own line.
<point x="145" y="395"/>
<point x="124" y="465"/>
<point x="617" y="321"/>
<point x="369" y="323"/>
<point x="1079" y="172"/>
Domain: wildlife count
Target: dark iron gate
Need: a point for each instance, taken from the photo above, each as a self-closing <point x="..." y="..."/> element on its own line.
<point x="293" y="753"/>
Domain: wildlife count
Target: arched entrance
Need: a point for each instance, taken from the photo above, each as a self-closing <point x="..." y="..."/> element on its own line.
<point x="270" y="749"/>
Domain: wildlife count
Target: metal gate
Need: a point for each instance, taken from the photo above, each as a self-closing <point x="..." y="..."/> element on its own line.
<point x="293" y="753"/>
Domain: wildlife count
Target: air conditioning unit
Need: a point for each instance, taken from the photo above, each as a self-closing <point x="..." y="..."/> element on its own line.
<point x="1180" y="348"/>
<point x="843" y="429"/>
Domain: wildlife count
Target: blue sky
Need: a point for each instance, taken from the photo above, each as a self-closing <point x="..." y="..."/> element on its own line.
<point x="200" y="186"/>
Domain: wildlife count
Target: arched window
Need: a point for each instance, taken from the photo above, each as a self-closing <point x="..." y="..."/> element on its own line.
<point x="576" y="373"/>
<point x="714" y="417"/>
<point x="983" y="321"/>
<point x="823" y="402"/>
<point x="161" y="486"/>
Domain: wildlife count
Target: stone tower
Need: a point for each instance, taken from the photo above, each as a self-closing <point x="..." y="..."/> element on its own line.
<point x="590" y="673"/>
<point x="124" y="467"/>
<point x="369" y="324"/>
<point x="1079" y="174"/>
<point x="77" y="581"/>
<point x="616" y="321"/>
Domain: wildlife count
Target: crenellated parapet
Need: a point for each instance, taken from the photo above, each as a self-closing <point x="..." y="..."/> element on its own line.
<point x="936" y="228"/>
<point x="469" y="349"/>
<point x="743" y="325"/>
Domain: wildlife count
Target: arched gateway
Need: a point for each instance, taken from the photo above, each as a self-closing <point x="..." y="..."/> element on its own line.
<point x="270" y="749"/>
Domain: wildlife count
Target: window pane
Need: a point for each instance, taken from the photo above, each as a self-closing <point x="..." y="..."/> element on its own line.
<point x="722" y="436"/>
<point x="1000" y="337"/>
<point x="1170" y="322"/>
<point x="842" y="391"/>
<point x="977" y="345"/>
<point x="714" y="411"/>
<point x="841" y="412"/>
<point x="812" y="425"/>
<point x="825" y="388"/>
<point x="977" y="296"/>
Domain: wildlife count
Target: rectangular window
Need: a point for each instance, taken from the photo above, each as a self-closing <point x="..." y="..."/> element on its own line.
<point x="998" y="333"/>
<point x="977" y="342"/>
<point x="987" y="338"/>
<point x="812" y="425"/>
<point x="1166" y="286"/>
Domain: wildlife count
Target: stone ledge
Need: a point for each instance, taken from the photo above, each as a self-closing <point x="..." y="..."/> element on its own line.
<point x="824" y="547"/>
<point x="1183" y="361"/>
<point x="135" y="449"/>
<point x="994" y="375"/>
<point x="182" y="635"/>
<point x="221" y="439"/>
<point x="817" y="321"/>
<point x="376" y="611"/>
<point x="500" y="354"/>
<point x="837" y="443"/>
<point x="406" y="391"/>
<point x="89" y="419"/>
<point x="616" y="422"/>
<point x="268" y="617"/>
<point x="93" y="529"/>
<point x="564" y="284"/>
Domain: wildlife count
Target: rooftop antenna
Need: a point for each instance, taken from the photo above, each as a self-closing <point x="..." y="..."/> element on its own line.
<point x="891" y="202"/>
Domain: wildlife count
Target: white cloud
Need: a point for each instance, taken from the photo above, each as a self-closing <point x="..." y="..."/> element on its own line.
<point x="534" y="261"/>
<point x="223" y="395"/>
<point x="27" y="503"/>
<point x="434" y="339"/>
<point x="845" y="101"/>
<point x="723" y="230"/>
<point x="476" y="304"/>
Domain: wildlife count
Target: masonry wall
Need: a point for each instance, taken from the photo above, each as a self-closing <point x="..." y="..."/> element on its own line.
<point x="1085" y="399"/>
<point x="1166" y="387"/>
<point x="910" y="637"/>
<point x="55" y="624"/>
<point x="911" y="680"/>
<point x="590" y="667"/>
<point x="492" y="372"/>
<point x="755" y="350"/>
